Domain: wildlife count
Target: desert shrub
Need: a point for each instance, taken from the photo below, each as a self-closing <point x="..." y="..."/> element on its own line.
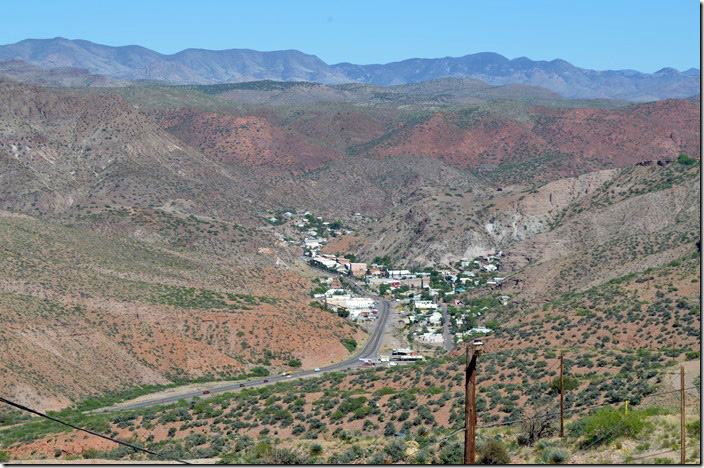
<point x="553" y="456"/>
<point x="539" y="423"/>
<point x="607" y="424"/>
<point x="452" y="455"/>
<point x="284" y="456"/>
<point x="316" y="449"/>
<point x="295" y="363"/>
<point x="493" y="452"/>
<point x="395" y="450"/>
<point x="389" y="429"/>
<point x="570" y="383"/>
<point x="350" y="344"/>
<point x="685" y="160"/>
<point x="4" y="457"/>
<point x="694" y="429"/>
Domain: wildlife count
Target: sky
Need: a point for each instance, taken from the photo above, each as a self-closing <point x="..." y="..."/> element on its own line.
<point x="644" y="35"/>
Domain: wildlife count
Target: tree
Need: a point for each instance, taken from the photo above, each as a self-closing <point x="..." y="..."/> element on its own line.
<point x="570" y="383"/>
<point x="295" y="363"/>
<point x="538" y="423"/>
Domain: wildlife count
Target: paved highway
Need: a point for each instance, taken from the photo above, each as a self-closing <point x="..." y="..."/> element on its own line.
<point x="369" y="350"/>
<point x="447" y="336"/>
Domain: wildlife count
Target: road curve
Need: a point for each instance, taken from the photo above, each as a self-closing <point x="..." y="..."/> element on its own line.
<point x="370" y="349"/>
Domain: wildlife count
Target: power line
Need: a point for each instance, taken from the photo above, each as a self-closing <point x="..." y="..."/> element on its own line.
<point x="573" y="410"/>
<point x="134" y="447"/>
<point x="618" y="426"/>
<point x="653" y="454"/>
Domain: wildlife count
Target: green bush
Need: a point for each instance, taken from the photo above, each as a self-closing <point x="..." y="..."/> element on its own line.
<point x="390" y="429"/>
<point x="350" y="344"/>
<point x="553" y="456"/>
<point x="570" y="383"/>
<point x="493" y="452"/>
<point x="686" y="160"/>
<point x="609" y="423"/>
<point x="4" y="457"/>
<point x="694" y="429"/>
<point x="316" y="449"/>
<point x="396" y="450"/>
<point x="452" y="455"/>
<point x="295" y="363"/>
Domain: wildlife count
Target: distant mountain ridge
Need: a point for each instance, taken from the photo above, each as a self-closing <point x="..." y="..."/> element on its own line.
<point x="201" y="66"/>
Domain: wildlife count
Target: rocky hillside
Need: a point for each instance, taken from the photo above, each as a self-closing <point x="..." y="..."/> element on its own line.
<point x="90" y="313"/>
<point x="591" y="226"/>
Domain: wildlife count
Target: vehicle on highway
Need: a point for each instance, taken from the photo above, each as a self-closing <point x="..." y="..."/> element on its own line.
<point x="266" y="380"/>
<point x="241" y="385"/>
<point x="288" y="376"/>
<point x="205" y="392"/>
<point x="317" y="369"/>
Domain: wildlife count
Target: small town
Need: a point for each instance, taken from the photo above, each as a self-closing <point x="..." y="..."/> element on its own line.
<point x="433" y="311"/>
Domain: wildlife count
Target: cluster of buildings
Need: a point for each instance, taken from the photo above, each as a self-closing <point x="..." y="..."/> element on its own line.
<point x="337" y="297"/>
<point x="338" y="264"/>
<point x="397" y="356"/>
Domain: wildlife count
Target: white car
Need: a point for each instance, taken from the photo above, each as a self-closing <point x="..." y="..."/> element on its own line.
<point x="317" y="369"/>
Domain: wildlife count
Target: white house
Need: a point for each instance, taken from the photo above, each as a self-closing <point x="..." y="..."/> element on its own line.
<point x="398" y="274"/>
<point x="335" y="292"/>
<point x="435" y="318"/>
<point x="326" y="261"/>
<point x="356" y="303"/>
<point x="489" y="267"/>
<point x="425" y="305"/>
<point x="435" y="338"/>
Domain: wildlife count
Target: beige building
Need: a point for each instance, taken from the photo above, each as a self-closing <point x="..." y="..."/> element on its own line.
<point x="358" y="269"/>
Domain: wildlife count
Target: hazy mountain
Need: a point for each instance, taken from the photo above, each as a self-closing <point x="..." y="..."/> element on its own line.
<point x="19" y="70"/>
<point x="237" y="65"/>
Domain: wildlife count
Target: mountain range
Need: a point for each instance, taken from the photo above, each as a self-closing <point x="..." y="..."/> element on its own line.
<point x="200" y="66"/>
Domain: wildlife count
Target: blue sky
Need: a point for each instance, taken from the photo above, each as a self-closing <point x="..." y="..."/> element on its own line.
<point x="645" y="35"/>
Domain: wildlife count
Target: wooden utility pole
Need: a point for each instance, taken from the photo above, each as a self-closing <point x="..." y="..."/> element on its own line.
<point x="562" y="395"/>
<point x="470" y="404"/>
<point x="682" y="425"/>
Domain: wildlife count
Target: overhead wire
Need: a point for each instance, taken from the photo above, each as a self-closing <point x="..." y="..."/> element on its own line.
<point x="618" y="426"/>
<point x="97" y="434"/>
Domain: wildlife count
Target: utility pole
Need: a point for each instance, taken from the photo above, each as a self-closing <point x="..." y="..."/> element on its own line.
<point x="562" y="395"/>
<point x="470" y="404"/>
<point x="682" y="425"/>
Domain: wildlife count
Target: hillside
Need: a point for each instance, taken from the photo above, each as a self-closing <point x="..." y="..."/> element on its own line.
<point x="508" y="140"/>
<point x="150" y="237"/>
<point x="589" y="226"/>
<point x="89" y="313"/>
<point x="200" y="66"/>
<point x="352" y="418"/>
